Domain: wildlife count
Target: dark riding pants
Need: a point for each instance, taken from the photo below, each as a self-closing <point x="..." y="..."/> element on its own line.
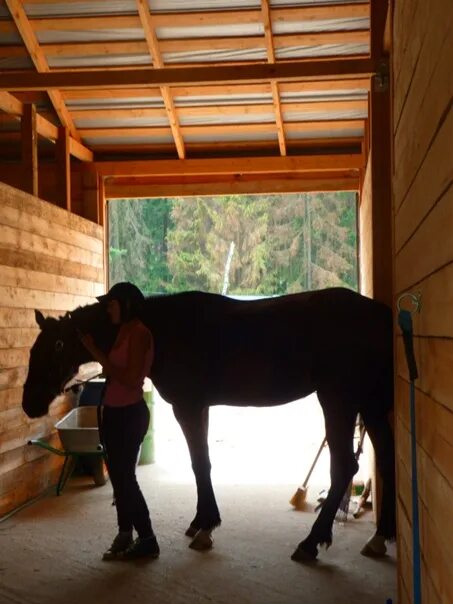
<point x="123" y="430"/>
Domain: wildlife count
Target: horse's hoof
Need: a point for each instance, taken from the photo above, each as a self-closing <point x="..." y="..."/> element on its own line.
<point x="375" y="547"/>
<point x="304" y="555"/>
<point x="202" y="541"/>
<point x="192" y="531"/>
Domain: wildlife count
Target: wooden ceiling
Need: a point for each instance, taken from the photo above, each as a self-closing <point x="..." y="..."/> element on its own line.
<point x="172" y="79"/>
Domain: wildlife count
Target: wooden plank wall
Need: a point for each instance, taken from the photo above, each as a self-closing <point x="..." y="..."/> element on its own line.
<point x="423" y="227"/>
<point x="51" y="260"/>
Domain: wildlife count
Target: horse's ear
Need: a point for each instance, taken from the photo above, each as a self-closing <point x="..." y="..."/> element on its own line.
<point x="39" y="318"/>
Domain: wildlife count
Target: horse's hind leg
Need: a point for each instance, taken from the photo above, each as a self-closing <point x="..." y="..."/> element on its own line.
<point x="194" y="423"/>
<point x="340" y="422"/>
<point x="381" y="436"/>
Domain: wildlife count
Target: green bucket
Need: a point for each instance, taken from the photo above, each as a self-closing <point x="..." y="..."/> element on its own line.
<point x="147" y="448"/>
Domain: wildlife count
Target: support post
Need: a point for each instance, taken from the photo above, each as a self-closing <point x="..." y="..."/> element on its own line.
<point x="63" y="169"/>
<point x="29" y="150"/>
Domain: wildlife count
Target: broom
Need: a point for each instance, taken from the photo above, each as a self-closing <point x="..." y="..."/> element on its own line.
<point x="299" y="497"/>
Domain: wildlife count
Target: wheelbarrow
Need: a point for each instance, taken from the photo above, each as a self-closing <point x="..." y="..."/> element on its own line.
<point x="79" y="435"/>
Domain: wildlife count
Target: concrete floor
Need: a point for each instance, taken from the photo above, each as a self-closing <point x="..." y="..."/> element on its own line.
<point x="51" y="551"/>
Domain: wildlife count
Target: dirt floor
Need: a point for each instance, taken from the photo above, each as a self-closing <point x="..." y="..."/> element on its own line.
<point x="51" y="551"/>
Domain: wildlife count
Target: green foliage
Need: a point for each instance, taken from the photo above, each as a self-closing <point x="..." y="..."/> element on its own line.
<point x="280" y="243"/>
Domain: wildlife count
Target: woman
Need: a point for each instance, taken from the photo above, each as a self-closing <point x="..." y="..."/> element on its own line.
<point x="126" y="418"/>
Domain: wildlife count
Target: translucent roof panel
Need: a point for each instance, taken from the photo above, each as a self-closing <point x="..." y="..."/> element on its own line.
<point x="89" y="35"/>
<point x="233" y="136"/>
<point x="119" y="103"/>
<point x="309" y="116"/>
<point x="100" y="61"/>
<point x="125" y="122"/>
<point x="128" y="140"/>
<point x="334" y="133"/>
<point x="75" y="8"/>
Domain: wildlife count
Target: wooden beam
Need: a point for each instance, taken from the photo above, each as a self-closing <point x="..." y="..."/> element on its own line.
<point x="201" y="18"/>
<point x="63" y="165"/>
<point x="13" y="106"/>
<point x="285" y="71"/>
<point x="381" y="188"/>
<point x="244" y="165"/>
<point x="221" y="90"/>
<point x="378" y="18"/>
<point x="39" y="60"/>
<point x="29" y="178"/>
<point x="153" y="47"/>
<point x="116" y="190"/>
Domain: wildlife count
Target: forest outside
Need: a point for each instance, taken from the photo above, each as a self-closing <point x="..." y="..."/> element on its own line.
<point x="254" y="245"/>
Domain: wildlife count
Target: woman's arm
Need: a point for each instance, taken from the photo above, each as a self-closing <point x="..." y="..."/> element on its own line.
<point x="139" y="344"/>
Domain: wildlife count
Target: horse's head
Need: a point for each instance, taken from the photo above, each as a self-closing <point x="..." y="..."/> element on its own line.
<point x="57" y="354"/>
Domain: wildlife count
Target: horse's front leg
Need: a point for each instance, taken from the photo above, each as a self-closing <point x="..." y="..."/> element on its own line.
<point x="340" y="424"/>
<point x="194" y="423"/>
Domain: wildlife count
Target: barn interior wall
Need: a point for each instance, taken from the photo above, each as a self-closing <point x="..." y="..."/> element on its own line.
<point x="423" y="218"/>
<point x="51" y="260"/>
<point x="84" y="184"/>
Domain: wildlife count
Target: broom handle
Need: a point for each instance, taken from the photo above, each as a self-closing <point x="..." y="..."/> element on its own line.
<point x="314" y="463"/>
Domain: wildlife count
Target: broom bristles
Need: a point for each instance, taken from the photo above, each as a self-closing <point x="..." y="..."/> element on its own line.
<point x="343" y="508"/>
<point x="298" y="499"/>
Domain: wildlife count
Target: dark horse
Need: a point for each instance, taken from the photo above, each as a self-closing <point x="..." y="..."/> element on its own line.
<point x="212" y="350"/>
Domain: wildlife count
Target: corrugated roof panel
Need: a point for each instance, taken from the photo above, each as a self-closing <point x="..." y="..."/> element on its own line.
<point x="10" y="38"/>
<point x="15" y="62"/>
<point x="257" y="29"/>
<point x="214" y="100"/>
<point x="334" y="133"/>
<point x="89" y="35"/>
<point x="309" y="116"/>
<point x="126" y="122"/>
<point x="219" y="119"/>
<point x="214" y="56"/>
<point x="323" y="95"/>
<point x="120" y="103"/>
<point x="74" y="8"/>
<point x="128" y="140"/>
<point x="233" y="136"/>
<point x="292" y="27"/>
<point x="260" y="54"/>
<point x="100" y="61"/>
<point x="321" y="50"/>
<point x="165" y="6"/>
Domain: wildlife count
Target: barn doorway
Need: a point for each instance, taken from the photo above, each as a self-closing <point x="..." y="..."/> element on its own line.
<point x="244" y="246"/>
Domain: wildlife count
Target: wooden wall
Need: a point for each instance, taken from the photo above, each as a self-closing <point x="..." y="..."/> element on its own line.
<point x="51" y="260"/>
<point x="423" y="227"/>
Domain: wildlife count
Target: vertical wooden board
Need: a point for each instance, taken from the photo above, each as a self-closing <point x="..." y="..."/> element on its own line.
<point x="425" y="110"/>
<point x="432" y="181"/>
<point x="429" y="249"/>
<point x="63" y="166"/>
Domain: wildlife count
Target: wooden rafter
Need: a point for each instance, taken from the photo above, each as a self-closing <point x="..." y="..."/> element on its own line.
<point x="284" y="71"/>
<point x="378" y="18"/>
<point x="153" y="46"/>
<point x="13" y="106"/>
<point x="267" y="22"/>
<point x="37" y="56"/>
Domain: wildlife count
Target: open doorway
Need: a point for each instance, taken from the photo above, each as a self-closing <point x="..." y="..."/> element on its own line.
<point x="245" y="246"/>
